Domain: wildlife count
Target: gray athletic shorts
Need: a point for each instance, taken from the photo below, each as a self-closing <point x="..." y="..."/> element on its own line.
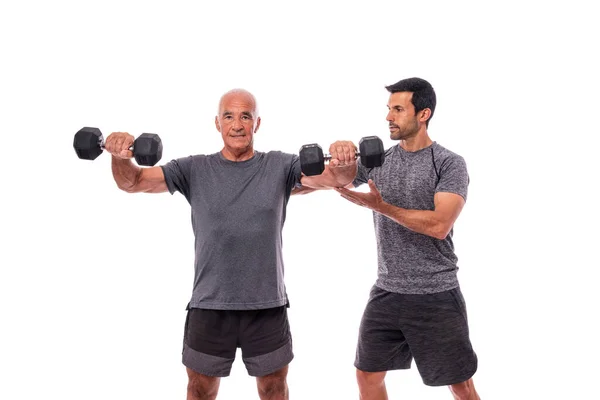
<point x="211" y="339"/>
<point x="431" y="328"/>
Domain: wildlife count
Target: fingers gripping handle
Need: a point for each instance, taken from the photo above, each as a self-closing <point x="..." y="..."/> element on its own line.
<point x="327" y="157"/>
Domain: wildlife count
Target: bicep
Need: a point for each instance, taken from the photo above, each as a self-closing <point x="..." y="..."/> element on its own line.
<point x="448" y="206"/>
<point x="151" y="180"/>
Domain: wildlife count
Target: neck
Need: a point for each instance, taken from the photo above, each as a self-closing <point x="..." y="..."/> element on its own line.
<point x="416" y="143"/>
<point x="237" y="155"/>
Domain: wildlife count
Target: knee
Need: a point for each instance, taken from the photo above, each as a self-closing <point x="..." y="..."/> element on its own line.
<point x="366" y="379"/>
<point x="273" y="384"/>
<point x="202" y="387"/>
<point x="461" y="390"/>
<point x="271" y="387"/>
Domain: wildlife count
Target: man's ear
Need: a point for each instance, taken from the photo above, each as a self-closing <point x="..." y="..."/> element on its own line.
<point x="425" y="114"/>
<point x="257" y="124"/>
<point x="217" y="124"/>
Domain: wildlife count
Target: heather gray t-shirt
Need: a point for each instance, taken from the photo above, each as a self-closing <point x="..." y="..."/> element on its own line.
<point x="238" y="211"/>
<point x="410" y="262"/>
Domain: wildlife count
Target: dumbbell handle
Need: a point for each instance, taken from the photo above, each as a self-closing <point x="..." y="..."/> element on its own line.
<point x="102" y="145"/>
<point x="327" y="157"/>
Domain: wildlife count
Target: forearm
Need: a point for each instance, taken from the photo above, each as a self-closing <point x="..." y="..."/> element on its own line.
<point x="302" y="190"/>
<point x="331" y="177"/>
<point x="425" y="222"/>
<point x="126" y="173"/>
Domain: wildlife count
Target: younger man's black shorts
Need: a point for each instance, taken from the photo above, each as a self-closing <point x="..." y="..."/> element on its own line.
<point x="431" y="328"/>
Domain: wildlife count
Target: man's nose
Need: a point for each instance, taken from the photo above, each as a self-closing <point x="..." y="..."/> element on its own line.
<point x="237" y="124"/>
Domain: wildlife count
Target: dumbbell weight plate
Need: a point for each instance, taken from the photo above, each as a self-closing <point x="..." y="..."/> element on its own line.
<point x="147" y="149"/>
<point x="371" y="151"/>
<point x="312" y="161"/>
<point x="88" y="143"/>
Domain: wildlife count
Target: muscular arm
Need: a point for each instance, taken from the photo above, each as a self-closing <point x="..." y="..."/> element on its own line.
<point x="436" y="223"/>
<point x="133" y="179"/>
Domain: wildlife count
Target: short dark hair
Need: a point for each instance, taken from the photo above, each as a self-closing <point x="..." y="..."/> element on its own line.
<point x="423" y="94"/>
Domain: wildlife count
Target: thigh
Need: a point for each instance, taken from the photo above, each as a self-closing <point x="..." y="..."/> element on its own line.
<point x="266" y="340"/>
<point x="437" y="331"/>
<point x="382" y="345"/>
<point x="210" y="341"/>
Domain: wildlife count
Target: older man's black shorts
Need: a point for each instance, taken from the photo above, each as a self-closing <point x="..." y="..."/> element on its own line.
<point x="212" y="337"/>
<point x="431" y="328"/>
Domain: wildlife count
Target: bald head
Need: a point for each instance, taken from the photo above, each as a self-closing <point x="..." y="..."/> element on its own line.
<point x="238" y="95"/>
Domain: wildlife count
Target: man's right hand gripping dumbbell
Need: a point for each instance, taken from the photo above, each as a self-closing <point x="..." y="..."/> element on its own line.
<point x="119" y="144"/>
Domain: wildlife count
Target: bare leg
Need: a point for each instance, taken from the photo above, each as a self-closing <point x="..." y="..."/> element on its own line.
<point x="202" y="387"/>
<point x="371" y="385"/>
<point x="273" y="386"/>
<point x="464" y="391"/>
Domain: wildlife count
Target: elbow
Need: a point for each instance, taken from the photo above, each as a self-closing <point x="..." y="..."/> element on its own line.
<point x="127" y="188"/>
<point x="130" y="184"/>
<point x="440" y="236"/>
<point x="441" y="231"/>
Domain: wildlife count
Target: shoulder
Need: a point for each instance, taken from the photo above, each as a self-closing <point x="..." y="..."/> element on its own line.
<point x="191" y="161"/>
<point x="196" y="157"/>
<point x="447" y="156"/>
<point x="278" y="156"/>
<point x="204" y="158"/>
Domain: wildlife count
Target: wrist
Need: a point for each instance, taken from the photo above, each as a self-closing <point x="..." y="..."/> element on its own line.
<point x="342" y="175"/>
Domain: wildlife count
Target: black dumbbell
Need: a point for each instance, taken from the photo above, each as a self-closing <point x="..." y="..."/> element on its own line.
<point x="89" y="144"/>
<point x="312" y="159"/>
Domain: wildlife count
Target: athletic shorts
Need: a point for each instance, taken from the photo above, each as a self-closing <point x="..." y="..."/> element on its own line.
<point x="431" y="328"/>
<point x="211" y="339"/>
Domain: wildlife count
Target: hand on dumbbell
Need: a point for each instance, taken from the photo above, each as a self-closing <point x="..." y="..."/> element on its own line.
<point x="120" y="145"/>
<point x="146" y="149"/>
<point x="312" y="159"/>
<point x="341" y="153"/>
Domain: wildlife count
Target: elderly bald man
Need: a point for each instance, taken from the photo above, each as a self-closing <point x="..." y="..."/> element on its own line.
<point x="238" y="198"/>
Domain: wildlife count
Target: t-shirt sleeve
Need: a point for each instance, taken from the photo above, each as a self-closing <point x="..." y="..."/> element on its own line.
<point x="177" y="175"/>
<point x="454" y="177"/>
<point x="294" y="173"/>
<point x="362" y="175"/>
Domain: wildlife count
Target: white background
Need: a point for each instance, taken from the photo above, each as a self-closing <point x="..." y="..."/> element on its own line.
<point x="94" y="282"/>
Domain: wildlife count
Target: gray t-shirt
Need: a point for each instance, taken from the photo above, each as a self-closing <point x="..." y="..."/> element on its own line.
<point x="410" y="262"/>
<point x="238" y="212"/>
